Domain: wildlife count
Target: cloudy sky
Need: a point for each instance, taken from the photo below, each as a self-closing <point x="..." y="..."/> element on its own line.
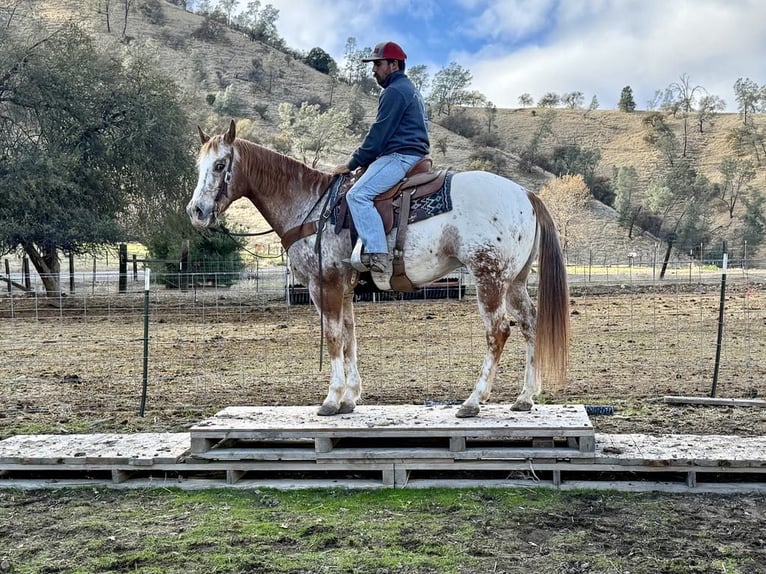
<point x="537" y="46"/>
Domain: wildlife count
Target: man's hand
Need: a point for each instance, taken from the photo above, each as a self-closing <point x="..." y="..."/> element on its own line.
<point x="341" y="169"/>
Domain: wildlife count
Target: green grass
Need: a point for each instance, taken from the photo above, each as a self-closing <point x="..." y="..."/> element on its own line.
<point x="449" y="531"/>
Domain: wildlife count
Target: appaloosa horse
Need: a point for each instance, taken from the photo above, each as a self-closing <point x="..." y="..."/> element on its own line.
<point x="495" y="229"/>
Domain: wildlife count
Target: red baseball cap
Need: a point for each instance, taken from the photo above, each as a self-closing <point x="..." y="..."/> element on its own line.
<point x="386" y="51"/>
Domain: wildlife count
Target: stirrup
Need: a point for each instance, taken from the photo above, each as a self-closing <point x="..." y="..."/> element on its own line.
<point x="356" y="260"/>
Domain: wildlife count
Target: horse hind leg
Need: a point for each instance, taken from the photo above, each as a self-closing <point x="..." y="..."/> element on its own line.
<point x="523" y="311"/>
<point x="492" y="307"/>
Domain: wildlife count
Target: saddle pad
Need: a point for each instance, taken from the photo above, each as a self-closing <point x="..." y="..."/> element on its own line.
<point x="434" y="204"/>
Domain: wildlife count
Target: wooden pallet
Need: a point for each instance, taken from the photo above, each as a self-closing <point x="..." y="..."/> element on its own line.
<point x="249" y="448"/>
<point x="392" y="433"/>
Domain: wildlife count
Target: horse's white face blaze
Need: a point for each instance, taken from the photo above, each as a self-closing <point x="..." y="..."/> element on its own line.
<point x="211" y="167"/>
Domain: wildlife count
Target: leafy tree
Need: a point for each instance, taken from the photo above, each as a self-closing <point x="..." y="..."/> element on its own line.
<point x="574" y="159"/>
<point x="573" y="100"/>
<point x="737" y="176"/>
<point x="90" y="155"/>
<point x="707" y="109"/>
<point x="681" y="197"/>
<point x="448" y="88"/>
<point x="419" y="76"/>
<point x="356" y="113"/>
<point x="229" y="103"/>
<point x="490" y="114"/>
<point x="568" y="199"/>
<point x="312" y="134"/>
<point x="354" y="69"/>
<point x="214" y="258"/>
<point x="749" y="97"/>
<point x="754" y="220"/>
<point x="593" y="103"/>
<point x="626" y="190"/>
<point x="525" y="100"/>
<point x="531" y="155"/>
<point x="260" y="24"/>
<point x="683" y="97"/>
<point x="321" y="61"/>
<point x="549" y="100"/>
<point x="626" y="103"/>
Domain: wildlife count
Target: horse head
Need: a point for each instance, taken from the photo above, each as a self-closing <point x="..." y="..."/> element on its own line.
<point x="214" y="191"/>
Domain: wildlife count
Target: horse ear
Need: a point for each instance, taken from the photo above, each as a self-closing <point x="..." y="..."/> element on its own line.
<point x="202" y="135"/>
<point x="231" y="134"/>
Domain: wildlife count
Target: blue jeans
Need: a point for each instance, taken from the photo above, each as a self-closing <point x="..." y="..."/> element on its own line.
<point x="381" y="175"/>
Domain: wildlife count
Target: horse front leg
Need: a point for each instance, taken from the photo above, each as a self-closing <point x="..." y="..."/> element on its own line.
<point x="334" y="340"/>
<point x="332" y="322"/>
<point x="353" y="390"/>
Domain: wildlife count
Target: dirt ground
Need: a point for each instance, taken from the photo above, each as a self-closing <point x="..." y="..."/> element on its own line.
<point x="79" y="368"/>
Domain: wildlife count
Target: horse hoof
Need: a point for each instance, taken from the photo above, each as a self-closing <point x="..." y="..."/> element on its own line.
<point x="327" y="410"/>
<point x="346" y="408"/>
<point x="522" y="406"/>
<point x="467" y="411"/>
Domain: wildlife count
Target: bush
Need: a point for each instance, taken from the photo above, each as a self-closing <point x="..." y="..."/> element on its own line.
<point x="210" y="31"/>
<point x="152" y="11"/>
<point x="461" y="124"/>
<point x="214" y="258"/>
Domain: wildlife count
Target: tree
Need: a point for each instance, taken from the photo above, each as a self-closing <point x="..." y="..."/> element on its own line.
<point x="707" y="109"/>
<point x="626" y="103"/>
<point x="448" y="88"/>
<point x="312" y="134"/>
<point x="754" y="220"/>
<point x="354" y="69"/>
<point x="684" y="97"/>
<point x="749" y="96"/>
<point x="531" y="155"/>
<point x="91" y="154"/>
<point x="490" y="114"/>
<point x="321" y="61"/>
<point x="567" y="198"/>
<point x="737" y="176"/>
<point x="593" y="106"/>
<point x="525" y="100"/>
<point x="419" y="76"/>
<point x="626" y="189"/>
<point x="574" y="159"/>
<point x="573" y="100"/>
<point x="549" y="100"/>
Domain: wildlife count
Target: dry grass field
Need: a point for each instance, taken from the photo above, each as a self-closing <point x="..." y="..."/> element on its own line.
<point x="79" y="367"/>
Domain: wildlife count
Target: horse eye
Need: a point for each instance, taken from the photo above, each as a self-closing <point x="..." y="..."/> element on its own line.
<point x="219" y="166"/>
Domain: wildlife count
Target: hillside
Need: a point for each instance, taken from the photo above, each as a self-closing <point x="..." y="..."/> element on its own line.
<point x="201" y="68"/>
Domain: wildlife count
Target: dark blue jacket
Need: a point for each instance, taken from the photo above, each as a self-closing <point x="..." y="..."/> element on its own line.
<point x="400" y="126"/>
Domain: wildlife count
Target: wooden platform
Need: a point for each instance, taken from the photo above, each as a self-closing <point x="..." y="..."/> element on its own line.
<point x="375" y="447"/>
<point x="394" y="432"/>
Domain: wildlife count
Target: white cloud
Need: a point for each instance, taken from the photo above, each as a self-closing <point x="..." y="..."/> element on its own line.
<point x="538" y="46"/>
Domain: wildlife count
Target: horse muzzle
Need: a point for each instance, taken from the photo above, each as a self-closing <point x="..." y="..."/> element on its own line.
<point x="199" y="216"/>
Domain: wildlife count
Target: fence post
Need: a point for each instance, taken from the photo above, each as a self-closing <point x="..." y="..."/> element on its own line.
<point x="8" y="274"/>
<point x="184" y="264"/>
<point x="71" y="272"/>
<point x="25" y="272"/>
<point x="721" y="305"/>
<point x="135" y="268"/>
<point x="123" y="263"/>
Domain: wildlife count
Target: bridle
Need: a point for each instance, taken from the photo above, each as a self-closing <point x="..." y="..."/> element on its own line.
<point x="223" y="186"/>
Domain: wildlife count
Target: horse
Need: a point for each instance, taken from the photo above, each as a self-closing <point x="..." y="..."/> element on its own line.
<point x="495" y="229"/>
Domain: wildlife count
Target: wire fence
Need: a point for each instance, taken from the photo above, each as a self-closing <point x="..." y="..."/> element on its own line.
<point x="79" y="359"/>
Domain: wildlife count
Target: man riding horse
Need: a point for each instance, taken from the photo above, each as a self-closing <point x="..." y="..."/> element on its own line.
<point x="395" y="143"/>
